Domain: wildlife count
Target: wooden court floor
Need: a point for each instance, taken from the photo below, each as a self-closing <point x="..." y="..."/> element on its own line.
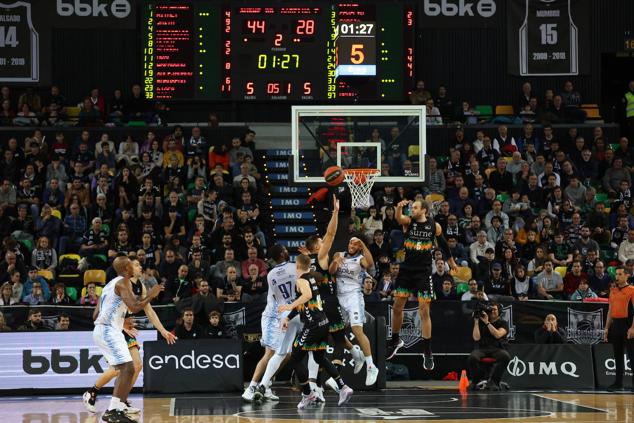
<point x="401" y="405"/>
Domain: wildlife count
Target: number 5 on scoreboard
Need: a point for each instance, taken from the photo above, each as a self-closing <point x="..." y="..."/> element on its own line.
<point x="356" y="54"/>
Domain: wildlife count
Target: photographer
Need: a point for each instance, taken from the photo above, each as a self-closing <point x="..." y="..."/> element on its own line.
<point x="489" y="331"/>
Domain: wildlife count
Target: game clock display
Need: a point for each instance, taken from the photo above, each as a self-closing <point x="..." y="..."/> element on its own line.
<point x="284" y="51"/>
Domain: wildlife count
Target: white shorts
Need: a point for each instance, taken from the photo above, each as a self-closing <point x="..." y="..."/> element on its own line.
<point x="352" y="308"/>
<point x="287" y="338"/>
<point x="112" y="344"/>
<point x="270" y="332"/>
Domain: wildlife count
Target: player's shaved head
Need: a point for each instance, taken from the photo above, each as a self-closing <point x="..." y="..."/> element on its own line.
<point x="121" y="265"/>
<point x="312" y="242"/>
<point x="303" y="261"/>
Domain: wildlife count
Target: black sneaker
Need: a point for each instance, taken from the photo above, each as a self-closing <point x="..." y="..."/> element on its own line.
<point x="428" y="362"/>
<point x="614" y="387"/>
<point x="493" y="386"/>
<point x="116" y="416"/>
<point x="258" y="395"/>
<point x="393" y="348"/>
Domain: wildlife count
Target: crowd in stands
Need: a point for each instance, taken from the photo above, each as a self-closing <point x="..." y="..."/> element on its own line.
<point x="532" y="215"/>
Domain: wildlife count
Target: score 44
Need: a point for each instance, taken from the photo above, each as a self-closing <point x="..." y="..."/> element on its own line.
<point x="279" y="88"/>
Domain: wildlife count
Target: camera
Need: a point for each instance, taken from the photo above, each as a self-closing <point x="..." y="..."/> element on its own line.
<point x="479" y="308"/>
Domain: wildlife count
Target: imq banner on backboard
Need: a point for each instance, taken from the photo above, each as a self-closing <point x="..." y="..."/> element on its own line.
<point x="548" y="37"/>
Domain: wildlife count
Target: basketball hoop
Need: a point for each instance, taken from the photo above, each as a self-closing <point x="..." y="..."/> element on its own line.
<point x="360" y="182"/>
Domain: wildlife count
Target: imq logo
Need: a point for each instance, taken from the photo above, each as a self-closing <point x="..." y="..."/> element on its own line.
<point x="193" y="361"/>
<point x="61" y="364"/>
<point x="481" y="8"/>
<point x="518" y="368"/>
<point x="95" y="8"/>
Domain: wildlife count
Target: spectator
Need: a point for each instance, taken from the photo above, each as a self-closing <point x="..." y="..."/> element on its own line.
<point x="91" y="298"/>
<point x="447" y="292"/>
<point x="229" y="288"/>
<point x="436" y="182"/>
<point x="204" y="301"/>
<point x="255" y="285"/>
<point x="34" y="322"/>
<point x="549" y="283"/>
<point x="63" y="322"/>
<point x="497" y="286"/>
<point x="59" y="296"/>
<point x="600" y="281"/>
<point x="626" y="249"/>
<point x="614" y="175"/>
<point x="6" y="295"/>
<point x="420" y="94"/>
<point x="474" y="292"/>
<point x="550" y="332"/>
<point x="187" y="328"/>
<point x="370" y="295"/>
<point x="220" y="270"/>
<point x="74" y="229"/>
<point x="583" y="291"/>
<point x="32" y="278"/>
<point x="3" y="325"/>
<point x="180" y="287"/>
<point x="432" y="113"/>
<point x="217" y="329"/>
<point x="14" y="278"/>
<point x="521" y="284"/>
<point x="372" y="223"/>
<point x="252" y="259"/>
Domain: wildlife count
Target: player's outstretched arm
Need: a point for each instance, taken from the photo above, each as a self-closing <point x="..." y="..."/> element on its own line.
<point x="399" y="216"/>
<point x="154" y="319"/>
<point x="331" y="231"/>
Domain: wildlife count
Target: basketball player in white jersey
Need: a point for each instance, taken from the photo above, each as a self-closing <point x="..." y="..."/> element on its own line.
<point x="281" y="281"/>
<point x="90" y="396"/>
<point x="116" y="300"/>
<point x="348" y="268"/>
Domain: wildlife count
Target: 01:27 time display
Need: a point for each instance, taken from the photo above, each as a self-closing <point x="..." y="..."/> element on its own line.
<point x="281" y="61"/>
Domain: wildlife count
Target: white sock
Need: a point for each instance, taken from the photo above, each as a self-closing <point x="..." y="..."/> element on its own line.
<point x="356" y="351"/>
<point x="313" y="367"/>
<point x="274" y="364"/>
<point x="253" y="384"/>
<point x="115" y="404"/>
<point x="369" y="362"/>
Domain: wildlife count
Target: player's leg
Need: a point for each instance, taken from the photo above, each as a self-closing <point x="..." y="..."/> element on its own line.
<point x="271" y="338"/>
<point x="402" y="291"/>
<point x="301" y="370"/>
<point x="138" y="366"/>
<point x="353" y="314"/>
<point x="90" y="396"/>
<point x="426" y="295"/>
<point x="313" y="375"/>
<point x="357" y="320"/>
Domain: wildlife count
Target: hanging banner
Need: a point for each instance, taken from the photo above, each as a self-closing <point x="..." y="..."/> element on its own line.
<point x="19" y="44"/>
<point x="548" y="37"/>
<point x="550" y="366"/>
<point x="460" y="13"/>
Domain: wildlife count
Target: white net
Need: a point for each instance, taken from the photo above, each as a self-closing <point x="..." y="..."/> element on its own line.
<point x="360" y="182"/>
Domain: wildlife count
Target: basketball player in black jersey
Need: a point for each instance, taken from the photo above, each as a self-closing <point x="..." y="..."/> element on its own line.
<point x="414" y="276"/>
<point x="318" y="250"/>
<point x="314" y="335"/>
<point x="90" y="396"/>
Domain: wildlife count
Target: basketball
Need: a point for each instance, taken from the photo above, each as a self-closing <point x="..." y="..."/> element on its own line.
<point x="333" y="176"/>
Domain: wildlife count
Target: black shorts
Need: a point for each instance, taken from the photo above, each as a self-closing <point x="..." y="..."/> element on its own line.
<point x="132" y="342"/>
<point x="415" y="282"/>
<point x="334" y="315"/>
<point x="312" y="338"/>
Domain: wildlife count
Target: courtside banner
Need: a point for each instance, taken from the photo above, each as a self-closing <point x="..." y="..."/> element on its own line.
<point x="605" y="367"/>
<point x="202" y="365"/>
<point x="53" y="360"/>
<point x="550" y="367"/>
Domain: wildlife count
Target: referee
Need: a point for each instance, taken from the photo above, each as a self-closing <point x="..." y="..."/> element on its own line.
<point x="619" y="330"/>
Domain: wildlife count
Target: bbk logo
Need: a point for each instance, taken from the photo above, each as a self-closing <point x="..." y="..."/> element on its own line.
<point x="116" y="8"/>
<point x="236" y="318"/>
<point x="411" y="329"/>
<point x="61" y="364"/>
<point x="482" y="8"/>
<point x="507" y="315"/>
<point x="518" y="368"/>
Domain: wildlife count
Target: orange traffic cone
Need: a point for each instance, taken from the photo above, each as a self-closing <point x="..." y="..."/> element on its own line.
<point x="464" y="381"/>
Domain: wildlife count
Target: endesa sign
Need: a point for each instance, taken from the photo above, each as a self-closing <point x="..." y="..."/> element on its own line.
<point x="53" y="360"/>
<point x="550" y="366"/>
<point x="201" y="365"/>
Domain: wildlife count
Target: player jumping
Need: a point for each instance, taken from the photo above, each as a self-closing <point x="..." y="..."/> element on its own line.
<point x="347" y="268"/>
<point x="313" y="336"/>
<point x="415" y="274"/>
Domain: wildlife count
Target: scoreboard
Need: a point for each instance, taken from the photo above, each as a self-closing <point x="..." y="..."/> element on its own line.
<point x="316" y="51"/>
